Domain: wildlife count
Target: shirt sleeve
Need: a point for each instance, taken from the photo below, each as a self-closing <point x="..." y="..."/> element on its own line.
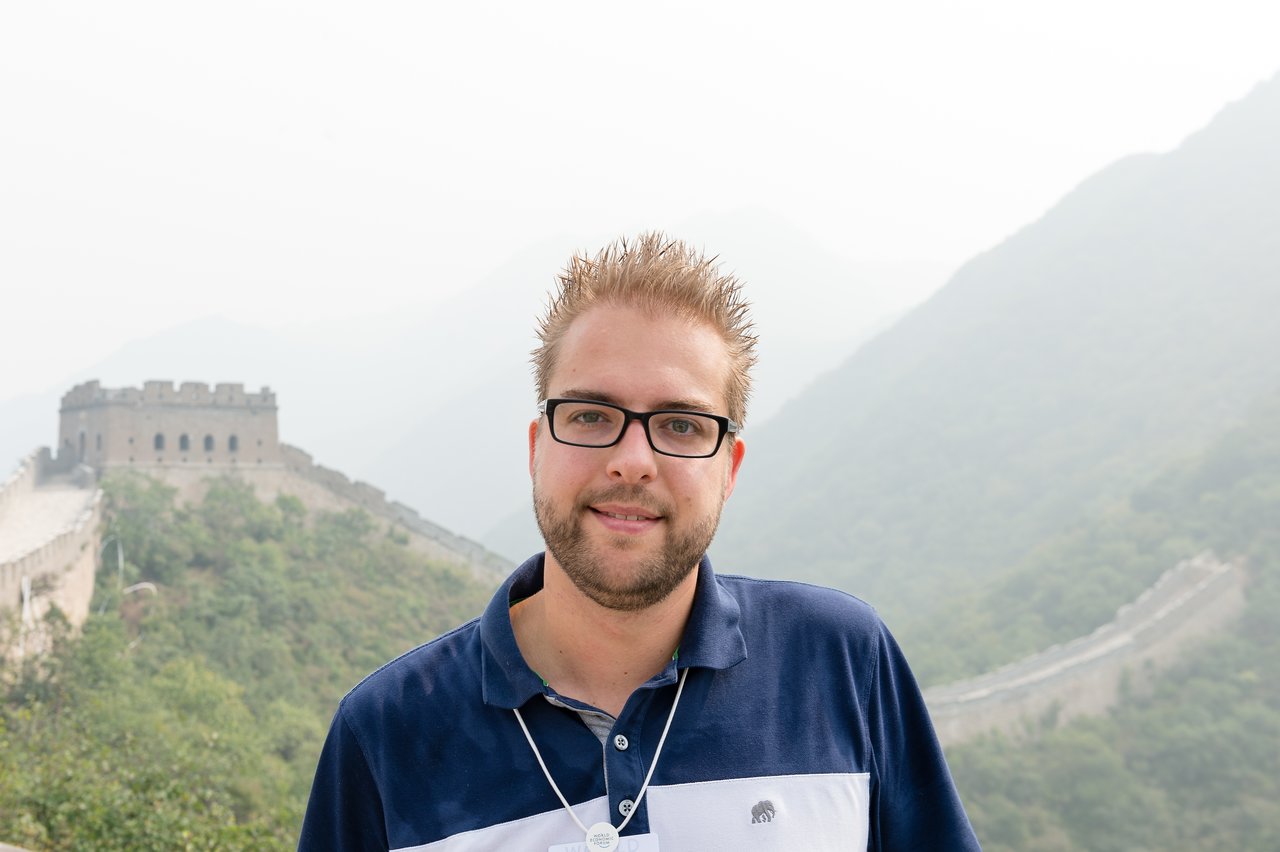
<point x="914" y="803"/>
<point x="345" y="809"/>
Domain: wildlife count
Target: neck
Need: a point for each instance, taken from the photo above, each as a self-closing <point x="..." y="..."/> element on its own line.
<point x="591" y="653"/>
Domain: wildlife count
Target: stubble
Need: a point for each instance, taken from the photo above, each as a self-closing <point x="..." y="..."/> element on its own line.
<point x="592" y="569"/>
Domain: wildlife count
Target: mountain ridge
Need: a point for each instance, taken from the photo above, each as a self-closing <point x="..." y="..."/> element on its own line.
<point x="1129" y="323"/>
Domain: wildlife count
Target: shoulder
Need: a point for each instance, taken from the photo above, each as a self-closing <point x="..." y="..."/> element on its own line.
<point x="444" y="670"/>
<point x="811" y="638"/>
<point x="783" y="621"/>
<point x="789" y="601"/>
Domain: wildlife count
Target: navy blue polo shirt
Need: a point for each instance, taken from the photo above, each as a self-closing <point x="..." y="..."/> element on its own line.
<point x="800" y="727"/>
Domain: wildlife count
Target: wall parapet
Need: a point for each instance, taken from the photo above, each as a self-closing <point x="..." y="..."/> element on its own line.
<point x="1084" y="676"/>
<point x="22" y="479"/>
<point x="59" y="565"/>
<point x="374" y="501"/>
<point x="55" y="553"/>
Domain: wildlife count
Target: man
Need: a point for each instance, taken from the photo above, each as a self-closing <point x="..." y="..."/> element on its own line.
<point x="616" y="693"/>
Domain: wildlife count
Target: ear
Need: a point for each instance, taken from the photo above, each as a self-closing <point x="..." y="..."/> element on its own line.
<point x="736" y="452"/>
<point x="533" y="443"/>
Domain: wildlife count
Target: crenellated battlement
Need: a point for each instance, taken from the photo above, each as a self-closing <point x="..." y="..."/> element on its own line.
<point x="189" y="394"/>
<point x="166" y="425"/>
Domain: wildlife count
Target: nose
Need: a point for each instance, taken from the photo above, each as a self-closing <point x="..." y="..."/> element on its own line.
<point x="631" y="460"/>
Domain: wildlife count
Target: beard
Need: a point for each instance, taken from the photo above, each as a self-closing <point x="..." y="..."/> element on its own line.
<point x="644" y="583"/>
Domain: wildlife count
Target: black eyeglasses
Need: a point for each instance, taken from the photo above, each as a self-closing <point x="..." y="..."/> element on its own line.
<point x="590" y="423"/>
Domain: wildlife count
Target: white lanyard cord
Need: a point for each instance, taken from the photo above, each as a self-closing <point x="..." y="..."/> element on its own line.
<point x="647" y="777"/>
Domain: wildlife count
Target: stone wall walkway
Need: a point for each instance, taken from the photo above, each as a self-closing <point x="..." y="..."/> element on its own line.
<point x="40" y="515"/>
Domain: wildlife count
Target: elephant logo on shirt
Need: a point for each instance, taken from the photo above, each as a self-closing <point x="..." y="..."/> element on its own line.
<point x="763" y="811"/>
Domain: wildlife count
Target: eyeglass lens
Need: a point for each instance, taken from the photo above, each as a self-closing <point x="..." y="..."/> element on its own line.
<point x="679" y="433"/>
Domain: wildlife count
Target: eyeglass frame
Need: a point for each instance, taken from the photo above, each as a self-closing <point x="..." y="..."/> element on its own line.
<point x="727" y="426"/>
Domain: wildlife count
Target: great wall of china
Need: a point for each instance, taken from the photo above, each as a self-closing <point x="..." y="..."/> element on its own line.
<point x="1086" y="676"/>
<point x="51" y="540"/>
<point x="51" y="535"/>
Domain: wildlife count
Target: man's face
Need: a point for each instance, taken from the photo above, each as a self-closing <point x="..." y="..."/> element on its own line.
<point x="626" y="524"/>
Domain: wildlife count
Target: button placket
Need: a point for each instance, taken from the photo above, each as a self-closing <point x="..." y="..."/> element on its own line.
<point x="625" y="763"/>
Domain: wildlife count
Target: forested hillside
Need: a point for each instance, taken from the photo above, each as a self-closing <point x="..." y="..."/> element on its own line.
<point x="1225" y="499"/>
<point x="1191" y="764"/>
<point x="192" y="717"/>
<point x="1078" y="410"/>
<point x="1048" y="379"/>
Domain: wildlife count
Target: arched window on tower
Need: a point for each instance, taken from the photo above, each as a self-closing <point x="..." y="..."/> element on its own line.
<point x="208" y="443"/>
<point x="159" y="441"/>
<point x="81" y="447"/>
<point x="233" y="443"/>
<point x="184" y="443"/>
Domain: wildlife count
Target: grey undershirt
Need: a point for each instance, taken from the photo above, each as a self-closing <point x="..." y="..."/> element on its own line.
<point x="599" y="722"/>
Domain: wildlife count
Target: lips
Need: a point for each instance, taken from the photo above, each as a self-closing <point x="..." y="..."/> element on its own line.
<point x="626" y="510"/>
<point x="630" y="520"/>
<point x="622" y="517"/>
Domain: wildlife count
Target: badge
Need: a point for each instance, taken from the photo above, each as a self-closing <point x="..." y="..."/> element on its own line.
<point x="602" y="836"/>
<point x="631" y="843"/>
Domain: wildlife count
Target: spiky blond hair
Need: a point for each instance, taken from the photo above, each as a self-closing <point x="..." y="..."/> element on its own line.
<point x="662" y="276"/>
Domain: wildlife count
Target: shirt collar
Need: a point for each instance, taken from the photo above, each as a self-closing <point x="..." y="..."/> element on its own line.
<point x="712" y="638"/>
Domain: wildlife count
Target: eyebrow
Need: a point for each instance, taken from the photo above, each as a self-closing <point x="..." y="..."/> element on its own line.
<point x="670" y="404"/>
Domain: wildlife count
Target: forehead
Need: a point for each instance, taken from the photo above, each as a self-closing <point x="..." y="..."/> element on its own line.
<point x="642" y="360"/>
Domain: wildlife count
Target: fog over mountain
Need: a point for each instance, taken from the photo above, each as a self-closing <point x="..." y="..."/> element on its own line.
<point x="468" y="470"/>
<point x="1012" y="371"/>
<point x="1132" y="323"/>
<point x="433" y="407"/>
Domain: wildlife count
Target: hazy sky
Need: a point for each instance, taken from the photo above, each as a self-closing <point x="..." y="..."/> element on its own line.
<point x="277" y="162"/>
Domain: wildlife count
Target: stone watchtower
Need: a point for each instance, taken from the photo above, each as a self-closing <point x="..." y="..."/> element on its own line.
<point x="160" y="426"/>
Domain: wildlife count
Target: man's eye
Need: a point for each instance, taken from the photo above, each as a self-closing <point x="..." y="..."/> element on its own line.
<point x="682" y="426"/>
<point x="589" y="417"/>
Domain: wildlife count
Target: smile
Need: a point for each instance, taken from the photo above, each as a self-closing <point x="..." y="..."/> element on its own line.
<point x="624" y="516"/>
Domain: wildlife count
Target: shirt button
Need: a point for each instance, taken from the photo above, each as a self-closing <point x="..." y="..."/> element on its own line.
<point x="625" y="806"/>
<point x="620" y="742"/>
